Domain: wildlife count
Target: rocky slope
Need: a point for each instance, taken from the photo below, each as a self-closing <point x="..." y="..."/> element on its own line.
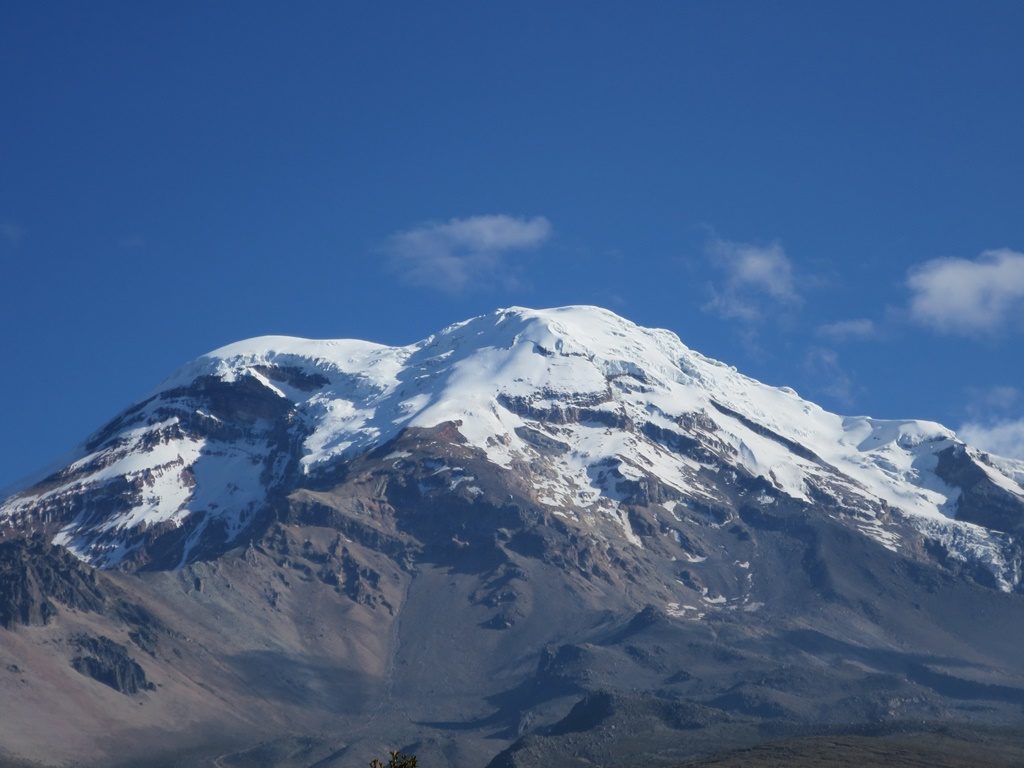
<point x="535" y="533"/>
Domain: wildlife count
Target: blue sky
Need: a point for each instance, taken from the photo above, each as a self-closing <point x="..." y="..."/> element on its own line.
<point x="827" y="195"/>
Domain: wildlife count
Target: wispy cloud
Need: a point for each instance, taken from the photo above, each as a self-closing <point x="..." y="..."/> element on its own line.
<point x="459" y="254"/>
<point x="969" y="297"/>
<point x="1003" y="438"/>
<point x="992" y="402"/>
<point x="844" y="330"/>
<point x="755" y="279"/>
<point x="11" y="233"/>
<point x="827" y="375"/>
<point x="131" y="242"/>
<point x="993" y="422"/>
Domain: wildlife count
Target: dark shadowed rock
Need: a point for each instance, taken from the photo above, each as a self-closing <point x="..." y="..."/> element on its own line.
<point x="36" y="577"/>
<point x="108" y="662"/>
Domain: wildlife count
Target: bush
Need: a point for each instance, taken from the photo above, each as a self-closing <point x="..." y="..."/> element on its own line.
<point x="398" y="760"/>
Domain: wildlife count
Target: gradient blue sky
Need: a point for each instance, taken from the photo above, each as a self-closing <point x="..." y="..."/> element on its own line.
<point x="827" y="195"/>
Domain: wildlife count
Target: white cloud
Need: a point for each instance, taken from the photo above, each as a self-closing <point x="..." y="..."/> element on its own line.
<point x="11" y="232"/>
<point x="461" y="253"/>
<point x="132" y="242"/>
<point x="1003" y="438"/>
<point x="967" y="297"/>
<point x="993" y="424"/>
<point x="860" y="328"/>
<point x="756" y="278"/>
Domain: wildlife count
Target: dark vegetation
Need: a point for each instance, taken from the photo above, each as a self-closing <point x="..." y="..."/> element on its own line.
<point x="396" y="760"/>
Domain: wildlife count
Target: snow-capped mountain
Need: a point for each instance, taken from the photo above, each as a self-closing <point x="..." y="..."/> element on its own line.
<point x="589" y="415"/>
<point x="533" y="538"/>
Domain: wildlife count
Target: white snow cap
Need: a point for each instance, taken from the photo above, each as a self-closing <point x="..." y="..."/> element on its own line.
<point x="483" y="374"/>
<point x="566" y="355"/>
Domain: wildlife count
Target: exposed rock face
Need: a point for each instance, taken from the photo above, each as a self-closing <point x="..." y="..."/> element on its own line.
<point x="108" y="662"/>
<point x="983" y="499"/>
<point x="549" y="535"/>
<point x="35" y="577"/>
<point x="223" y="446"/>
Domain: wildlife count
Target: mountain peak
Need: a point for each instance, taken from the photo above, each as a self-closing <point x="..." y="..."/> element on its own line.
<point x="583" y="329"/>
<point x="578" y="401"/>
